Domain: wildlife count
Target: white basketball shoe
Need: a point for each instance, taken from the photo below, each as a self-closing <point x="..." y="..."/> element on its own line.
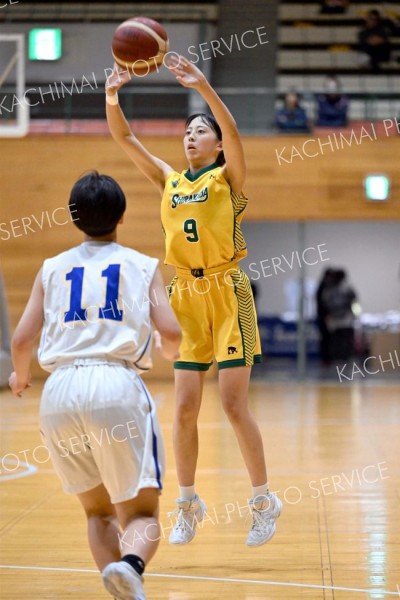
<point x="190" y="513"/>
<point x="122" y="581"/>
<point x="265" y="510"/>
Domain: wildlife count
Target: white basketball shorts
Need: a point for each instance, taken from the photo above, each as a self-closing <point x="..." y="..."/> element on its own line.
<point x="100" y="426"/>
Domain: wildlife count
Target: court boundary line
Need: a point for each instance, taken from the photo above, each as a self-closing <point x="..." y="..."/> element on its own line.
<point x="216" y="579"/>
<point x="29" y="470"/>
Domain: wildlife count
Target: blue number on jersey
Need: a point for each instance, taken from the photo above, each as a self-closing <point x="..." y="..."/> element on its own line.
<point x="75" y="312"/>
<point x="110" y="309"/>
<point x="111" y="306"/>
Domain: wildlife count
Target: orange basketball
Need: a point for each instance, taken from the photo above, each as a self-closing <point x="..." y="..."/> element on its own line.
<point x="140" y="44"/>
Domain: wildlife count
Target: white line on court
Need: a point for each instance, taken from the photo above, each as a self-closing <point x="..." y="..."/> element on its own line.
<point x="218" y="580"/>
<point x="28" y="470"/>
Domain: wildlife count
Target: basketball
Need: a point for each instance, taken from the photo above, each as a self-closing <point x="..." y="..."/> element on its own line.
<point x="140" y="44"/>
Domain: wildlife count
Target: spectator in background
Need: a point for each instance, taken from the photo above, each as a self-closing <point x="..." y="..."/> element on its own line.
<point x="292" y="117"/>
<point x="337" y="299"/>
<point x="332" y="106"/>
<point x="326" y="281"/>
<point x="333" y="7"/>
<point x="374" y="40"/>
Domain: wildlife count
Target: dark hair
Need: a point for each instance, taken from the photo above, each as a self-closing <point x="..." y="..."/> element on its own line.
<point x="340" y="275"/>
<point x="211" y="122"/>
<point x="97" y="203"/>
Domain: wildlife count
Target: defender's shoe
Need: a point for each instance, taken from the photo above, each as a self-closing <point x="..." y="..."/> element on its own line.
<point x="122" y="581"/>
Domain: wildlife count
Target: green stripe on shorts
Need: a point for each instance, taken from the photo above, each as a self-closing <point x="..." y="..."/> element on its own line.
<point x="192" y="366"/>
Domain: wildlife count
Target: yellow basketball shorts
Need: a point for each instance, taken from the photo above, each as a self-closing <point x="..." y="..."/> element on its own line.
<point x="218" y="318"/>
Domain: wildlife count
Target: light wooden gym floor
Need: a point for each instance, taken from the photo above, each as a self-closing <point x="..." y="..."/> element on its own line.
<point x="333" y="452"/>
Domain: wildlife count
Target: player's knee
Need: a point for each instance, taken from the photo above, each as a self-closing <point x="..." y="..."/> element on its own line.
<point x="99" y="512"/>
<point x="186" y="410"/>
<point x="233" y="407"/>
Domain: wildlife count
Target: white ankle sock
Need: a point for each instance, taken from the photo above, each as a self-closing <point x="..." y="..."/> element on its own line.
<point x="261" y="490"/>
<point x="187" y="492"/>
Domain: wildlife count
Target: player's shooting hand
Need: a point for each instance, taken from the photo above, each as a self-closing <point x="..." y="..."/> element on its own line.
<point x="117" y="79"/>
<point x="186" y="73"/>
<point x="18" y="386"/>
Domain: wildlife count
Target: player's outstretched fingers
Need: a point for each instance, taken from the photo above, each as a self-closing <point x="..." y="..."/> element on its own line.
<point x="117" y="79"/>
<point x="172" y="60"/>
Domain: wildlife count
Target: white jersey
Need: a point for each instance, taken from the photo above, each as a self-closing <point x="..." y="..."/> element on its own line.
<point x="97" y="305"/>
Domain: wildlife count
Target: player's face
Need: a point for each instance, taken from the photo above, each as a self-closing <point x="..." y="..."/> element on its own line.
<point x="201" y="143"/>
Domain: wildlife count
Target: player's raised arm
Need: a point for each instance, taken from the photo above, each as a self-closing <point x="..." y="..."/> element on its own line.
<point x="152" y="167"/>
<point x="164" y="320"/>
<point x="22" y="342"/>
<point x="188" y="75"/>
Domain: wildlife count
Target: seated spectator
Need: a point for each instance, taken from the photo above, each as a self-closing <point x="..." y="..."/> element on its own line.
<point x="374" y="40"/>
<point x="332" y="105"/>
<point x="292" y="117"/>
<point x="333" y="7"/>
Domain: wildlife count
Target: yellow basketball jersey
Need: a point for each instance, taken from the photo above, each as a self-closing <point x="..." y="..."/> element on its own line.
<point x="201" y="220"/>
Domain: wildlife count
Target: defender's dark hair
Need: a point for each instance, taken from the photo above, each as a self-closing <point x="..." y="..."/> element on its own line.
<point x="97" y="203"/>
<point x="211" y="122"/>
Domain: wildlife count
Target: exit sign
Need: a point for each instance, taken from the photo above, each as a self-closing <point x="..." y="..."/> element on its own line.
<point x="45" y="44"/>
<point x="377" y="187"/>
